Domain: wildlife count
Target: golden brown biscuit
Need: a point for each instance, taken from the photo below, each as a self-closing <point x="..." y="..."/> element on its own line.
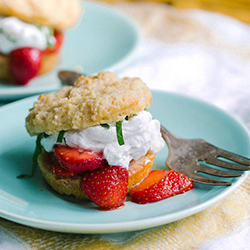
<point x="64" y="185"/>
<point x="68" y="185"/>
<point x="48" y="62"/>
<point x="57" y="14"/>
<point x="93" y="100"/>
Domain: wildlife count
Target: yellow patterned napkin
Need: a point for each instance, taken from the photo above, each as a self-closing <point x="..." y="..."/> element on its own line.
<point x="237" y="9"/>
<point x="221" y="219"/>
<point x="234" y="8"/>
<point x="173" y="26"/>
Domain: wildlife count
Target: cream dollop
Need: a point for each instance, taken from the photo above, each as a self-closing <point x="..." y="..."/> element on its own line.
<point x="15" y="34"/>
<point x="141" y="133"/>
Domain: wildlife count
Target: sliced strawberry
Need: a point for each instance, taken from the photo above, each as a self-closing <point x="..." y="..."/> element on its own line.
<point x="106" y="187"/>
<point x="78" y="160"/>
<point x="24" y="64"/>
<point x="160" y="184"/>
<point x="60" y="171"/>
<point x="59" y="40"/>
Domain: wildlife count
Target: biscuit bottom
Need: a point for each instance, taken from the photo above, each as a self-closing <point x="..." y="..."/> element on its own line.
<point x="48" y="62"/>
<point x="70" y="185"/>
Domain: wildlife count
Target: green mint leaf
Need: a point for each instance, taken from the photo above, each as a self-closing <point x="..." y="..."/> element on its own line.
<point x="49" y="33"/>
<point x="38" y="151"/>
<point x="119" y="135"/>
<point x="128" y="117"/>
<point x="60" y="137"/>
<point x="105" y="125"/>
<point x="65" y="141"/>
<point x="21" y="176"/>
<point x="8" y="37"/>
<point x="38" y="26"/>
<point x="44" y="135"/>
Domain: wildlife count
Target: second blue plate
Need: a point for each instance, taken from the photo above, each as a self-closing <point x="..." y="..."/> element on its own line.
<point x="103" y="39"/>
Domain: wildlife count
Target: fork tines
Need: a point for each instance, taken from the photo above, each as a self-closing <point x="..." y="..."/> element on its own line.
<point x="196" y="157"/>
<point x="236" y="162"/>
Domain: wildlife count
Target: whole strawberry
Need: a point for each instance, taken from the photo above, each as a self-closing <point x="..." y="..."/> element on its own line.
<point x="24" y="64"/>
<point x="160" y="184"/>
<point x="106" y="187"/>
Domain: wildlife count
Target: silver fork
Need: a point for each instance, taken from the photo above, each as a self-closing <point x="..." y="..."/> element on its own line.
<point x="189" y="155"/>
<point x="68" y="77"/>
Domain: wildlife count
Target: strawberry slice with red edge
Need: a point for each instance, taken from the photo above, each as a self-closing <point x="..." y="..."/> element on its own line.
<point x="60" y="171"/>
<point x="78" y="160"/>
<point x="59" y="40"/>
<point x="106" y="187"/>
<point x="160" y="184"/>
<point x="24" y="64"/>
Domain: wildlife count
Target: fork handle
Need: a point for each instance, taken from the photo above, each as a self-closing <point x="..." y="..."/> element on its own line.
<point x="68" y="77"/>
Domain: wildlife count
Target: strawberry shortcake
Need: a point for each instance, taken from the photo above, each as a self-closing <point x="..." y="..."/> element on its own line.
<point x="31" y="35"/>
<point x="96" y="140"/>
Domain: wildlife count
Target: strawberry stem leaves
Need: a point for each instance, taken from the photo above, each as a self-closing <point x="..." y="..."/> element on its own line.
<point x="119" y="134"/>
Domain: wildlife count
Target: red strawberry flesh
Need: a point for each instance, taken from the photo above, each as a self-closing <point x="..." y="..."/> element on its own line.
<point x="24" y="64"/>
<point x="106" y="187"/>
<point x="160" y="184"/>
<point x="78" y="160"/>
<point x="60" y="171"/>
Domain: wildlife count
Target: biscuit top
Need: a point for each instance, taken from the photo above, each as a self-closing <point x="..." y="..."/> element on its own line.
<point x="57" y="14"/>
<point x="93" y="100"/>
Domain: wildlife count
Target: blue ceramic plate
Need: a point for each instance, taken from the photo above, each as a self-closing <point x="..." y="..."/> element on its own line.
<point x="104" y="39"/>
<point x="32" y="202"/>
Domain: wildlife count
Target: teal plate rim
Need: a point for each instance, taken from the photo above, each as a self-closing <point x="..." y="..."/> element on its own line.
<point x="154" y="221"/>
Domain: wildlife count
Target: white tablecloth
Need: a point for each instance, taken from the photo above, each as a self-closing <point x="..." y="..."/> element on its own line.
<point x="202" y="55"/>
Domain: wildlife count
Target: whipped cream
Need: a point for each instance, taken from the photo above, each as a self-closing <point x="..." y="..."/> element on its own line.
<point x="16" y="34"/>
<point x="141" y="133"/>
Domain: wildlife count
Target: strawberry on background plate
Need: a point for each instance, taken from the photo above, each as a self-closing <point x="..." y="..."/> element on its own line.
<point x="106" y="187"/>
<point x="78" y="160"/>
<point x="160" y="184"/>
<point x="59" y="40"/>
<point x="24" y="64"/>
